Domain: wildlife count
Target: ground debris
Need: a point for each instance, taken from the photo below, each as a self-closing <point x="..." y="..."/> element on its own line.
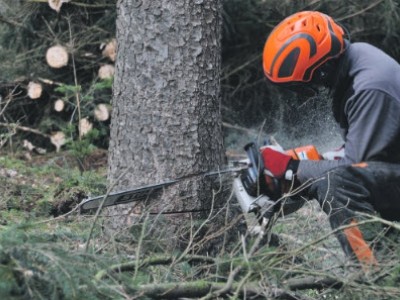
<point x="67" y="200"/>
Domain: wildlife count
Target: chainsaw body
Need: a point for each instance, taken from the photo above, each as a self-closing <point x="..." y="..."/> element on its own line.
<point x="258" y="200"/>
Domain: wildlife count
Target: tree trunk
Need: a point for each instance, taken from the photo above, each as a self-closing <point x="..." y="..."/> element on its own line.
<point x="166" y="119"/>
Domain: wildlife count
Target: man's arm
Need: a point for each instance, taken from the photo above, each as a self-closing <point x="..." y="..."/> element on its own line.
<point x="374" y="129"/>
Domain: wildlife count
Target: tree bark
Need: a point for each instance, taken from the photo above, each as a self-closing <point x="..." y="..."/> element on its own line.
<point x="166" y="119"/>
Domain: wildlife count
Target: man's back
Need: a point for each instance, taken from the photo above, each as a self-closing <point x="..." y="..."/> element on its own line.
<point x="371" y="68"/>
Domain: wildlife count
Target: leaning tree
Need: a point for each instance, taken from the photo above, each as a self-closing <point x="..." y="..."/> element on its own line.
<point x="166" y="120"/>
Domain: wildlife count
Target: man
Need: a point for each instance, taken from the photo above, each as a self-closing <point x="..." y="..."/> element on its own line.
<point x="308" y="50"/>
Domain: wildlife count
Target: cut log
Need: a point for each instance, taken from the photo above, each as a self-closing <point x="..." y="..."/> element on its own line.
<point x="110" y="49"/>
<point x="58" y="139"/>
<point x="57" y="56"/>
<point x="59" y="105"/>
<point x="102" y="112"/>
<point x="56" y="4"/>
<point x="34" y="90"/>
<point x="28" y="145"/>
<point x="106" y="71"/>
<point x="84" y="126"/>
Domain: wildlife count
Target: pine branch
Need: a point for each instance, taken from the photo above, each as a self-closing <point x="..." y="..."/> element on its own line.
<point x="161" y="260"/>
<point x="12" y="23"/>
<point x="202" y="288"/>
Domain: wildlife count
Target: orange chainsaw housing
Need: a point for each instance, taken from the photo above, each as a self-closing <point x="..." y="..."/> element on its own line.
<point x="308" y="152"/>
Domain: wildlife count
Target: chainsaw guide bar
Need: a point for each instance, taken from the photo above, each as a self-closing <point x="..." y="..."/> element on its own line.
<point x="142" y="193"/>
<point x="139" y="194"/>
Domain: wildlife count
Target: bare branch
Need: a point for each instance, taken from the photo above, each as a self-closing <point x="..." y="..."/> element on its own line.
<point x="24" y="128"/>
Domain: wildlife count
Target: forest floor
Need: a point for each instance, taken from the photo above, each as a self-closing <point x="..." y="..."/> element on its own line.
<point x="39" y="236"/>
<point x="49" y="184"/>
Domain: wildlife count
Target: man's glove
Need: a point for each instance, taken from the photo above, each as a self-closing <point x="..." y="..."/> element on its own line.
<point x="278" y="164"/>
<point x="334" y="154"/>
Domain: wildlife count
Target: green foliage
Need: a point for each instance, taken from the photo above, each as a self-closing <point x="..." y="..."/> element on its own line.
<point x="83" y="147"/>
<point x="37" y="265"/>
<point x="49" y="261"/>
<point x="68" y="91"/>
<point x="38" y="190"/>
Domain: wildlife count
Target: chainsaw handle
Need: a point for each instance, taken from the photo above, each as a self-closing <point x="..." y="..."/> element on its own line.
<point x="256" y="165"/>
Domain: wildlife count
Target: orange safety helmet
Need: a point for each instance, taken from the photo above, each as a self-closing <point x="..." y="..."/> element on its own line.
<point x="299" y="45"/>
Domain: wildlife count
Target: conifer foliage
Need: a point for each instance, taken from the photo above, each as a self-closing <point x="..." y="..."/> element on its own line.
<point x="56" y="66"/>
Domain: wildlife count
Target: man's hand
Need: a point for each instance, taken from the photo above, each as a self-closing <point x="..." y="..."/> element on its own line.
<point x="276" y="162"/>
<point x="334" y="154"/>
<point x="279" y="169"/>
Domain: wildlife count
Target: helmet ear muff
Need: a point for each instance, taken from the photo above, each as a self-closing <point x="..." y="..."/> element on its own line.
<point x="323" y="74"/>
<point x="320" y="76"/>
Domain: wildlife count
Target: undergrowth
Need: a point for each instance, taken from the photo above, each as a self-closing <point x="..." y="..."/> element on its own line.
<point x="46" y="252"/>
<point x="46" y="257"/>
<point x="41" y="189"/>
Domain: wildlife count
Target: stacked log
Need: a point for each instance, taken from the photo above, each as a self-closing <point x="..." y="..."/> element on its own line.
<point x="57" y="56"/>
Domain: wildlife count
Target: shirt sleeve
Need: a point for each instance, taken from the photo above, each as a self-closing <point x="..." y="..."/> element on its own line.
<point x="373" y="127"/>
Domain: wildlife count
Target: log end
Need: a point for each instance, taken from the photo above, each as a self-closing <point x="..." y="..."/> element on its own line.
<point x="57" y="56"/>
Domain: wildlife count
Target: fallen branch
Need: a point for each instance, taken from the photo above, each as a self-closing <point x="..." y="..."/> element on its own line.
<point x="9" y="99"/>
<point x="230" y="283"/>
<point x="312" y="282"/>
<point x="24" y="128"/>
<point x="14" y="23"/>
<point x="202" y="288"/>
<point x="162" y="260"/>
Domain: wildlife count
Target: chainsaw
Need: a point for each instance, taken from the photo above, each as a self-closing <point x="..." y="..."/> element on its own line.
<point x="258" y="201"/>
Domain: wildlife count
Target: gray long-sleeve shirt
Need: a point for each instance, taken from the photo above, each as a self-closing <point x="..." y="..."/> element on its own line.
<point x="367" y="108"/>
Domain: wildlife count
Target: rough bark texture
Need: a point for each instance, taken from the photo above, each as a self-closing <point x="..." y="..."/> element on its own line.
<point x="166" y="101"/>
